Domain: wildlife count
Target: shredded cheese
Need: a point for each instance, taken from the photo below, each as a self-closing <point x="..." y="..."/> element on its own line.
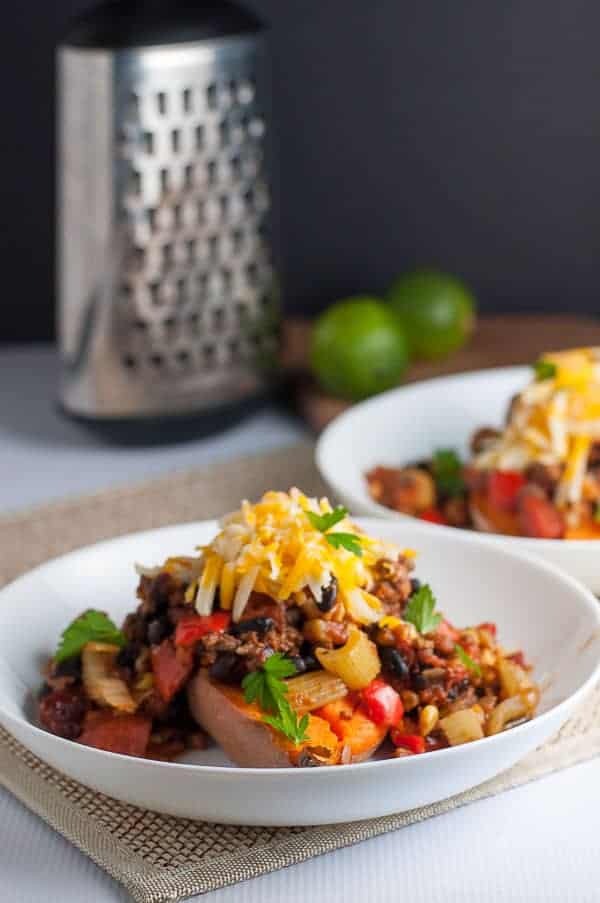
<point x="553" y="421"/>
<point x="272" y="547"/>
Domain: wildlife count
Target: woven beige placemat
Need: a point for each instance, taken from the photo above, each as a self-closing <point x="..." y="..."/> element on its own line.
<point x="156" y="857"/>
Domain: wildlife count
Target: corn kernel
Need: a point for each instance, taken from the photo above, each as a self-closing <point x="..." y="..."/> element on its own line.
<point x="428" y="718"/>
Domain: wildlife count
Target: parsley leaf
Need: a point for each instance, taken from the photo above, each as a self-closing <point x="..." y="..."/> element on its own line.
<point x="420" y="610"/>
<point x="348" y="541"/>
<point x="267" y="687"/>
<point x="544" y="370"/>
<point x="324" y="522"/>
<point x="447" y="469"/>
<point x="91" y="626"/>
<point x="467" y="660"/>
<point x="287" y="723"/>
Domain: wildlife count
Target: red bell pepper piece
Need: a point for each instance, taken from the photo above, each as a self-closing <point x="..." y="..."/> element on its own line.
<point x="413" y="742"/>
<point x="171" y="667"/>
<point x="126" y="734"/>
<point x="489" y="626"/>
<point x="191" y="627"/>
<point x="503" y="488"/>
<point x="433" y="515"/>
<point x="381" y="703"/>
<point x="538" y="517"/>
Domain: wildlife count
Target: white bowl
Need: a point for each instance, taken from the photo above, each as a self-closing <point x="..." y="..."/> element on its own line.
<point x="554" y="619"/>
<point x="410" y="423"/>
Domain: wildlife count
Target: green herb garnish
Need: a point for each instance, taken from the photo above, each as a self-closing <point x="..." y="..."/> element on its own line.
<point x="420" y="611"/>
<point x="544" y="370"/>
<point x="345" y="541"/>
<point x="324" y="522"/>
<point x="467" y="660"/>
<point x="268" y="688"/>
<point x="447" y="470"/>
<point x="90" y="627"/>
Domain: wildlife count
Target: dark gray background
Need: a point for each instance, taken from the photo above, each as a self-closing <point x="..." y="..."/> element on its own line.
<point x="462" y="134"/>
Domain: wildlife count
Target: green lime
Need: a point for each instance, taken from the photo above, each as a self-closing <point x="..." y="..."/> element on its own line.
<point x="358" y="348"/>
<point x="436" y="310"/>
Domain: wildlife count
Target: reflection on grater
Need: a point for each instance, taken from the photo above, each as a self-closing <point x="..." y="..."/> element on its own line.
<point x="167" y="293"/>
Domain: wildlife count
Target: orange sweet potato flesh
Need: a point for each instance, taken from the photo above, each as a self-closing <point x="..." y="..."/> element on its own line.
<point x="353" y="728"/>
<point x="238" y="728"/>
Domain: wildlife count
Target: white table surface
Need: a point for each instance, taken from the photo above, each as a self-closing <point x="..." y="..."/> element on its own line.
<point x="537" y="843"/>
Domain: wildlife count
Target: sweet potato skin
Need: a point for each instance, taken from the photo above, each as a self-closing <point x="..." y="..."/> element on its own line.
<point x="237" y="727"/>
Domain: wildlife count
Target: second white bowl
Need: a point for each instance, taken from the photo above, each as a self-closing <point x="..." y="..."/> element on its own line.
<point x="410" y="423"/>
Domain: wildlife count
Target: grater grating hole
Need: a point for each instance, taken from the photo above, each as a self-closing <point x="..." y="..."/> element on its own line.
<point x="211" y="96"/>
<point x="140" y="325"/>
<point x="224" y="205"/>
<point x="154" y="289"/>
<point x="210" y="353"/>
<point x="167" y="254"/>
<point x="211" y="171"/>
<point x="201" y="211"/>
<point x="182" y="357"/>
<point x="139" y="256"/>
<point x="186" y="98"/>
<point x="180" y="291"/>
<point x="161" y="102"/>
<point x="164" y="179"/>
<point x="175" y="140"/>
<point x="177" y="216"/>
<point x="249" y="199"/>
<point x="234" y="348"/>
<point x="135" y="178"/>
<point x="227" y="279"/>
<point x="218" y="318"/>
<point x="224" y="133"/>
<point x="194" y="322"/>
<point x="151" y="217"/>
<point x="213" y="246"/>
<point x="188" y="175"/>
<point x="133" y="106"/>
<point x="148" y="139"/>
<point x="191" y="249"/>
<point x="199" y="132"/>
<point x="202" y="280"/>
<point x="129" y="362"/>
<point x="157" y="360"/>
<point x="252" y="273"/>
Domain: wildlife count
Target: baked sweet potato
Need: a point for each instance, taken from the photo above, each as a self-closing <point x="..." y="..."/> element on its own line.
<point x="126" y="734"/>
<point x="237" y="726"/>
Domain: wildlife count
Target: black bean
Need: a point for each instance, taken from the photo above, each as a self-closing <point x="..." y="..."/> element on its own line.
<point x="328" y="596"/>
<point x="127" y="655"/>
<point x="394" y="661"/>
<point x="299" y="663"/>
<point x="294" y="616"/>
<point x="44" y="690"/>
<point x="157" y="630"/>
<point x="258" y="625"/>
<point x="70" y="667"/>
<point x="311" y="663"/>
<point x="223" y="666"/>
<point x="415" y="585"/>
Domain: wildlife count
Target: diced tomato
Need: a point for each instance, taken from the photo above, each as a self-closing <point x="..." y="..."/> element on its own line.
<point x="445" y="628"/>
<point x="489" y="626"/>
<point x="504" y="487"/>
<point x="126" y="734"/>
<point x="191" y="627"/>
<point x="381" y="703"/>
<point x="413" y="742"/>
<point x="433" y="515"/>
<point x="171" y="667"/>
<point x="538" y="517"/>
<point x="518" y="658"/>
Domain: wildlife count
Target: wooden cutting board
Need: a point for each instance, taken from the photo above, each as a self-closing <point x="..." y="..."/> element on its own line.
<point x="498" y="341"/>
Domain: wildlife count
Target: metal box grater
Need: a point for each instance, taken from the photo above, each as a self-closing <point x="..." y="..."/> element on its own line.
<point x="167" y="292"/>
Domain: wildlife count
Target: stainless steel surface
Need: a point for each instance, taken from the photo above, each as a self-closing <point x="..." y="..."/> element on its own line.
<point x="167" y="294"/>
